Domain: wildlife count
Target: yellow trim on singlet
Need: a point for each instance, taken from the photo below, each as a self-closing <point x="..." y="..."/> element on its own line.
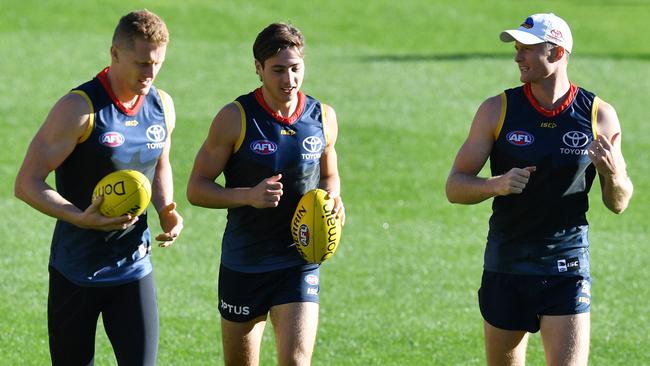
<point x="594" y="117"/>
<point x="161" y="93"/>
<point x="91" y="116"/>
<point x="502" y="116"/>
<point x="242" y="133"/>
<point x="323" y="108"/>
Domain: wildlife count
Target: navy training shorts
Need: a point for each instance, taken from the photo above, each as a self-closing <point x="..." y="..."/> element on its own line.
<point x="517" y="302"/>
<point x="246" y="296"/>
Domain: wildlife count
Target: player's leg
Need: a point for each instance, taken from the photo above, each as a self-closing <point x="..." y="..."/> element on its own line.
<point x="294" y="313"/>
<point x="72" y="322"/>
<point x="565" y="320"/>
<point x="242" y="340"/>
<point x="130" y="319"/>
<point x="243" y="305"/>
<point x="566" y="339"/>
<point x="509" y="316"/>
<point x="295" y="326"/>
<point x="505" y="347"/>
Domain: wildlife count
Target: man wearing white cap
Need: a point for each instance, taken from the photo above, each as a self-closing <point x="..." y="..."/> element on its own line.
<point x="546" y="141"/>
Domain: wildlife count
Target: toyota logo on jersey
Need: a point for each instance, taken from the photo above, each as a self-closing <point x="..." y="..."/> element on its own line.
<point x="312" y="144"/>
<point x="156" y="133"/>
<point x="575" y="139"/>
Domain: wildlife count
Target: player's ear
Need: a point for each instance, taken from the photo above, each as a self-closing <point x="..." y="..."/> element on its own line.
<point x="259" y="68"/>
<point x="559" y="52"/>
<point x="114" y="53"/>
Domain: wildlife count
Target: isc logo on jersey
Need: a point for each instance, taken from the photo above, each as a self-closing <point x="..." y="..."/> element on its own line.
<point x="156" y="134"/>
<point x="313" y="145"/>
<point x="520" y="138"/>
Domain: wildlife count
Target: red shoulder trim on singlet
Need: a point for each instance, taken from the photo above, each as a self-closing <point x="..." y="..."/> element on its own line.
<point x="573" y="90"/>
<point x="103" y="78"/>
<point x="286" y="120"/>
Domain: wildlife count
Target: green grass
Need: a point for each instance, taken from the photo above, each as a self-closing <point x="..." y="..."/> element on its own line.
<point x="405" y="79"/>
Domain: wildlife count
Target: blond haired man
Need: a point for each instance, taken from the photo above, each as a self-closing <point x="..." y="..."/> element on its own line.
<point x="101" y="265"/>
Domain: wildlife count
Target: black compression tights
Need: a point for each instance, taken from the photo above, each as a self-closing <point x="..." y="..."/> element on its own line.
<point x="129" y="313"/>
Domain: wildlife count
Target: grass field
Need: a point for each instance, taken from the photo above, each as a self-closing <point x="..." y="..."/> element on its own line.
<point x="405" y="78"/>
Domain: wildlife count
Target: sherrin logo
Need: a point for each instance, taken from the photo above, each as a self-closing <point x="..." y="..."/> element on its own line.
<point x="520" y="138"/>
<point x="111" y="139"/>
<point x="264" y="147"/>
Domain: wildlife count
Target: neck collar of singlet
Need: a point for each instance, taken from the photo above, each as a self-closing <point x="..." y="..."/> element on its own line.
<point x="571" y="95"/>
<point x="286" y="120"/>
<point x="103" y="78"/>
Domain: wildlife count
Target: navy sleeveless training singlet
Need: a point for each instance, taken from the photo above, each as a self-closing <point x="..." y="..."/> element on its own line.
<point x="543" y="230"/>
<point x="259" y="240"/>
<point x="117" y="138"/>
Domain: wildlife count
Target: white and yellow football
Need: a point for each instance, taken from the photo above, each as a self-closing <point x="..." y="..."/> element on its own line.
<point x="125" y="192"/>
<point x="316" y="231"/>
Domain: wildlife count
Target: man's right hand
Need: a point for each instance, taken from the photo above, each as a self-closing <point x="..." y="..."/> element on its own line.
<point x="514" y="181"/>
<point x="92" y="218"/>
<point x="266" y="193"/>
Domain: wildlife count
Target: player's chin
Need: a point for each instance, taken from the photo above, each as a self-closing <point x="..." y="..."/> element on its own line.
<point x="143" y="91"/>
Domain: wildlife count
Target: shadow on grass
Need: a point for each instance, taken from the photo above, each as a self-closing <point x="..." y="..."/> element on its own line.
<point x="409" y="57"/>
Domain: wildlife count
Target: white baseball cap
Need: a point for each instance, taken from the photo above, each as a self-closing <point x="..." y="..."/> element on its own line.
<point x="539" y="28"/>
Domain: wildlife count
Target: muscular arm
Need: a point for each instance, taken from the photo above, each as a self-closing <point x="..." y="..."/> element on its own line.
<point x="52" y="144"/>
<point x="606" y="155"/>
<point x="210" y="161"/>
<point x="329" y="172"/>
<point x="163" y="186"/>
<point x="463" y="184"/>
<point x="162" y="197"/>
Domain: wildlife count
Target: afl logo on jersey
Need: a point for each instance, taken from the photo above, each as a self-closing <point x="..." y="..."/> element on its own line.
<point x="111" y="139"/>
<point x="520" y="138"/>
<point x="264" y="147"/>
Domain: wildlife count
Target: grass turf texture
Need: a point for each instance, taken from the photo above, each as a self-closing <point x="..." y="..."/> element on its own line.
<point x="405" y="79"/>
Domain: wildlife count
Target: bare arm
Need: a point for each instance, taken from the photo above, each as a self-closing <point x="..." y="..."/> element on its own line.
<point x="463" y="184"/>
<point x="329" y="171"/>
<point x="606" y="155"/>
<point x="210" y="161"/>
<point x="171" y="222"/>
<point x="52" y="144"/>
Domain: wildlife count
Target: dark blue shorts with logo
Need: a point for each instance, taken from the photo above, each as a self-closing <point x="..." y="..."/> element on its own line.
<point x="517" y="302"/>
<point x="245" y="296"/>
